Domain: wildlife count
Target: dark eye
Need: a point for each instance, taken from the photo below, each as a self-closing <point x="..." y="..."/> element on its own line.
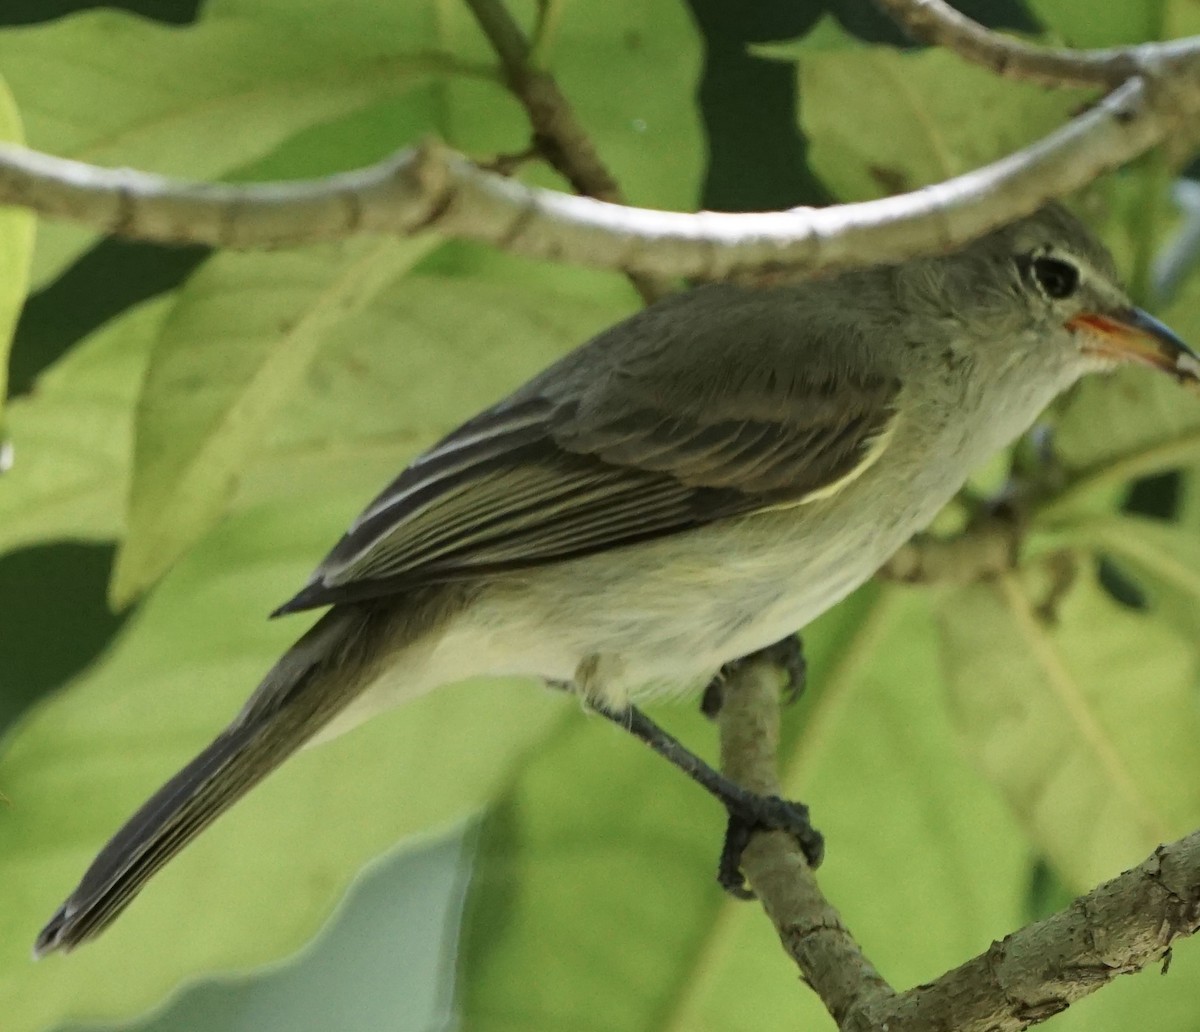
<point x="1058" y="279"/>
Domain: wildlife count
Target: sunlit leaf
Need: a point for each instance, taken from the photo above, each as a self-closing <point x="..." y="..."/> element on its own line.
<point x="1163" y="558"/>
<point x="72" y="437"/>
<point x="230" y="355"/>
<point x="881" y="122"/>
<point x="16" y="250"/>
<point x="260" y="882"/>
<point x="112" y="89"/>
<point x="825" y="35"/>
<point x="1077" y="721"/>
<point x="629" y="70"/>
<point x="1078" y="23"/>
<point x="452" y="337"/>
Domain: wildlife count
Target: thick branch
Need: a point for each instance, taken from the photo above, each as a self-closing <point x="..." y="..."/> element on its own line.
<point x="431" y="188"/>
<point x="809" y="927"/>
<point x="557" y="134"/>
<point x="1032" y="974"/>
<point x="937" y="23"/>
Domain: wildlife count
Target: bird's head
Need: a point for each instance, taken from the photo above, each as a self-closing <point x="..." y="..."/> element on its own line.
<point x="1045" y="289"/>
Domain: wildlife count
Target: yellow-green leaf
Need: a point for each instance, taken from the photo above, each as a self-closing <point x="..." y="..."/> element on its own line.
<point x="1087" y="724"/>
<point x="881" y="121"/>
<point x="231" y="354"/>
<point x="72" y="437"/>
<point x="16" y="252"/>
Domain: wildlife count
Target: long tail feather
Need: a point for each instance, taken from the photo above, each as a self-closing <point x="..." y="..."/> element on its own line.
<point x="311" y="683"/>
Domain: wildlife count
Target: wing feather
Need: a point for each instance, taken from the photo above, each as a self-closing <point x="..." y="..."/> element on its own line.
<point x="613" y="447"/>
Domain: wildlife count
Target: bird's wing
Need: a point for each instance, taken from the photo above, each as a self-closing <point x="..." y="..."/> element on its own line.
<point x="615" y="449"/>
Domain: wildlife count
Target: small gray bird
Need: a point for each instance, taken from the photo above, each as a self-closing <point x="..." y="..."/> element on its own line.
<point x="686" y="488"/>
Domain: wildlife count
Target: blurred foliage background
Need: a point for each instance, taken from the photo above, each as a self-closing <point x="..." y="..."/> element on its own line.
<point x="191" y="430"/>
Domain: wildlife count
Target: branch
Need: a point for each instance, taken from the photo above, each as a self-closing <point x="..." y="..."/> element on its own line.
<point x="557" y="134"/>
<point x="810" y="929"/>
<point x="982" y="549"/>
<point x="1025" y="978"/>
<point x="1031" y="975"/>
<point x="937" y="23"/>
<point x="432" y="188"/>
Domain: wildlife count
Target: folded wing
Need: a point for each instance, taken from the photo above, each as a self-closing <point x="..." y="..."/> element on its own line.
<point x="618" y="447"/>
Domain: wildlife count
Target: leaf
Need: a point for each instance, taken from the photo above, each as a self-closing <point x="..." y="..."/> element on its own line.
<point x="452" y="336"/>
<point x="627" y="68"/>
<point x="598" y="869"/>
<point x="881" y="122"/>
<point x="16" y="250"/>
<point x="1134" y="423"/>
<point x="1163" y="557"/>
<point x="826" y="34"/>
<point x="201" y="101"/>
<point x="259" y="882"/>
<point x="1088" y="727"/>
<point x="72" y="437"/>
<point x="629" y="71"/>
<point x="1078" y="23"/>
<point x="239" y="338"/>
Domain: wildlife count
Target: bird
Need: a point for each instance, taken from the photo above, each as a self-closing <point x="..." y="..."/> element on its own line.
<point x="689" y="486"/>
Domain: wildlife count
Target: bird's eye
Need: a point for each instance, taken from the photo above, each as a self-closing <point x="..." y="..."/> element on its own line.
<point x="1058" y="279"/>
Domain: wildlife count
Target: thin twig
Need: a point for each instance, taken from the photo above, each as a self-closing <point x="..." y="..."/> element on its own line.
<point x="937" y="23"/>
<point x="557" y="134"/>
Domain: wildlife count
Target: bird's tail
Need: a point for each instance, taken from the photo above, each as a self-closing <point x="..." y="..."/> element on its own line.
<point x="314" y="680"/>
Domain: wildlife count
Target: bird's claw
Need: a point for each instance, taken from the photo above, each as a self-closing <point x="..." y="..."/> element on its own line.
<point x="764" y="813"/>
<point x="787" y="654"/>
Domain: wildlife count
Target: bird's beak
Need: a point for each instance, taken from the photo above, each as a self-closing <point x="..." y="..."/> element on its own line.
<point x="1131" y="335"/>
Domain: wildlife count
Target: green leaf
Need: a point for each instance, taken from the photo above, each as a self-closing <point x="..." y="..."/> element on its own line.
<point x="199" y="102"/>
<point x="16" y="250"/>
<point x="1080" y="23"/>
<point x="629" y="70"/>
<point x="261" y="881"/>
<point x="1164" y="559"/>
<point x="881" y="122"/>
<point x="826" y="34"/>
<point x="1088" y="726"/>
<point x="233" y="349"/>
<point x="72" y="437"/>
<point x="449" y="338"/>
<point x="1177" y="17"/>
<point x="1111" y="431"/>
<point x="598" y="869"/>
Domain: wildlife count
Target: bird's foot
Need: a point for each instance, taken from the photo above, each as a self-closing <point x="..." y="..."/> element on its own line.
<point x="748" y="811"/>
<point x="787" y="654"/>
<point x="753" y="813"/>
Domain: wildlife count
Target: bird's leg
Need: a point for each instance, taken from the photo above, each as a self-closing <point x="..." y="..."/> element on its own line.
<point x="748" y="812"/>
<point x="787" y="654"/>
